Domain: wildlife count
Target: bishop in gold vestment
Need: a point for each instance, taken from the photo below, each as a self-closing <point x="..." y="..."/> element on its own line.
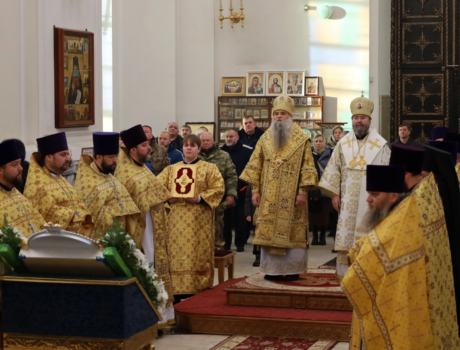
<point x="191" y="225"/>
<point x="344" y="178"/>
<point x="104" y="196"/>
<point x="149" y="196"/>
<point x="16" y="208"/>
<point x="281" y="176"/>
<point x="54" y="198"/>
<point x="386" y="283"/>
<point x="438" y="263"/>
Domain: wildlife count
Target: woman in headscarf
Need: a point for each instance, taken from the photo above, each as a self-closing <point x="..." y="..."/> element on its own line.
<point x="319" y="203"/>
<point x="335" y="137"/>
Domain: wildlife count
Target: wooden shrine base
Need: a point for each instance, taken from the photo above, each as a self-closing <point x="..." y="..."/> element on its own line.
<point x="268" y="327"/>
<point x="139" y="341"/>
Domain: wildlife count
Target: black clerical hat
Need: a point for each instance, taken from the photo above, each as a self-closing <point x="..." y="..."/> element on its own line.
<point x="385" y="178"/>
<point x="134" y="136"/>
<point x="52" y="144"/>
<point x="408" y="156"/>
<point x="106" y="143"/>
<point x="8" y="152"/>
<point x="438" y="133"/>
<point x="453" y="137"/>
<point x="447" y="146"/>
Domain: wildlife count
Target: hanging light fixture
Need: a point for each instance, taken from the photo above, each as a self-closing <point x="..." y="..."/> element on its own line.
<point x="234" y="17"/>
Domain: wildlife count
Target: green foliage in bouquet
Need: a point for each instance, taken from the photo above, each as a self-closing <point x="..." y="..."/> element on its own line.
<point x="10" y="235"/>
<point x="118" y="238"/>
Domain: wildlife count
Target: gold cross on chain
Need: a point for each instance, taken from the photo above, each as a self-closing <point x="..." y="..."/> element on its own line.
<point x="362" y="162"/>
<point x="374" y="144"/>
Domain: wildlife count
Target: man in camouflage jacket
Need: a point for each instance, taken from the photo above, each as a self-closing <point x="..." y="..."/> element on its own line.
<point x="211" y="153"/>
<point x="160" y="159"/>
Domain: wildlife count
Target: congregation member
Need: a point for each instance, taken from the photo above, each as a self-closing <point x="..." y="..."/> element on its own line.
<point x="386" y="282"/>
<point x="404" y="138"/>
<point x="173" y="130"/>
<point x="240" y="155"/>
<point x="16" y="208"/>
<point x="344" y="181"/>
<point x="250" y="133"/>
<point x="104" y="196"/>
<point x="335" y="137"/>
<point x="185" y="130"/>
<point x="191" y="226"/>
<point x="211" y="153"/>
<point x="173" y="154"/>
<point x="158" y="155"/>
<point x="54" y="198"/>
<point x="432" y="223"/>
<point x="281" y="171"/>
<point x="149" y="195"/>
<point x="319" y="203"/>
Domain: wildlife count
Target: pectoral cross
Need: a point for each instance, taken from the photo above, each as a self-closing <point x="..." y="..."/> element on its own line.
<point x="374" y="144"/>
<point x="353" y="163"/>
<point x="183" y="181"/>
<point x="362" y="162"/>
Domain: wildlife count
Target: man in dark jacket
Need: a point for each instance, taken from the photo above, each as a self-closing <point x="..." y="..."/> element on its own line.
<point x="404" y="137"/>
<point x="250" y="133"/>
<point x="173" y="131"/>
<point x="240" y="155"/>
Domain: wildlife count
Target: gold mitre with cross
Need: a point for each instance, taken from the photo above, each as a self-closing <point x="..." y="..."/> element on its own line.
<point x="285" y="103"/>
<point x="362" y="105"/>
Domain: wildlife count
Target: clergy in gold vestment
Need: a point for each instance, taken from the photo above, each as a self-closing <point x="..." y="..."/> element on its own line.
<point x="281" y="171"/>
<point x="432" y="223"/>
<point x="344" y="178"/>
<point x="191" y="223"/>
<point x="386" y="283"/>
<point x="54" y="198"/>
<point x="104" y="196"/>
<point x="16" y="208"/>
<point x="149" y="196"/>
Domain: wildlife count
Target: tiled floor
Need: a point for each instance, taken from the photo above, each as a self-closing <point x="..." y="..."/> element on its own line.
<point x="317" y="255"/>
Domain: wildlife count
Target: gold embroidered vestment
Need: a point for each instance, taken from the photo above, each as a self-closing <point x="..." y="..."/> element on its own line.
<point x="386" y="284"/>
<point x="56" y="200"/>
<point x="279" y="176"/>
<point x="149" y="195"/>
<point x="106" y="198"/>
<point x="13" y="205"/>
<point x="191" y="230"/>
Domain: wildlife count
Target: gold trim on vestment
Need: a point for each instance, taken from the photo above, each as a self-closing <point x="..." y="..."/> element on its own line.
<point x="40" y="342"/>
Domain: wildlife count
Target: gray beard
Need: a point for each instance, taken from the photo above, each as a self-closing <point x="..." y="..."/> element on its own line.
<point x="372" y="218"/>
<point x="231" y="144"/>
<point x="360" y="131"/>
<point x="281" y="132"/>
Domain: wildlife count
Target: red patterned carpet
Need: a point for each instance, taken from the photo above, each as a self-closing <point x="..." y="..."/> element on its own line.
<point x="240" y="342"/>
<point x="213" y="302"/>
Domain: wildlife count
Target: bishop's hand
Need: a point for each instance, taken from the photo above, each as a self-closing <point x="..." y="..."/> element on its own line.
<point x="301" y="199"/>
<point x="256" y="199"/>
<point x="172" y="200"/>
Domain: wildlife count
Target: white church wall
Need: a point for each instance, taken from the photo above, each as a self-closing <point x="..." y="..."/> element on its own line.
<point x="144" y="63"/>
<point x="30" y="67"/>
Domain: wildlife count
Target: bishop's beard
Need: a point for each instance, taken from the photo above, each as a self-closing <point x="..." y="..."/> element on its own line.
<point x="281" y="132"/>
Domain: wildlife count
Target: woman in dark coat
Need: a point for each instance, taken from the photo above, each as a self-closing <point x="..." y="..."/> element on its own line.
<point x="319" y="204"/>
